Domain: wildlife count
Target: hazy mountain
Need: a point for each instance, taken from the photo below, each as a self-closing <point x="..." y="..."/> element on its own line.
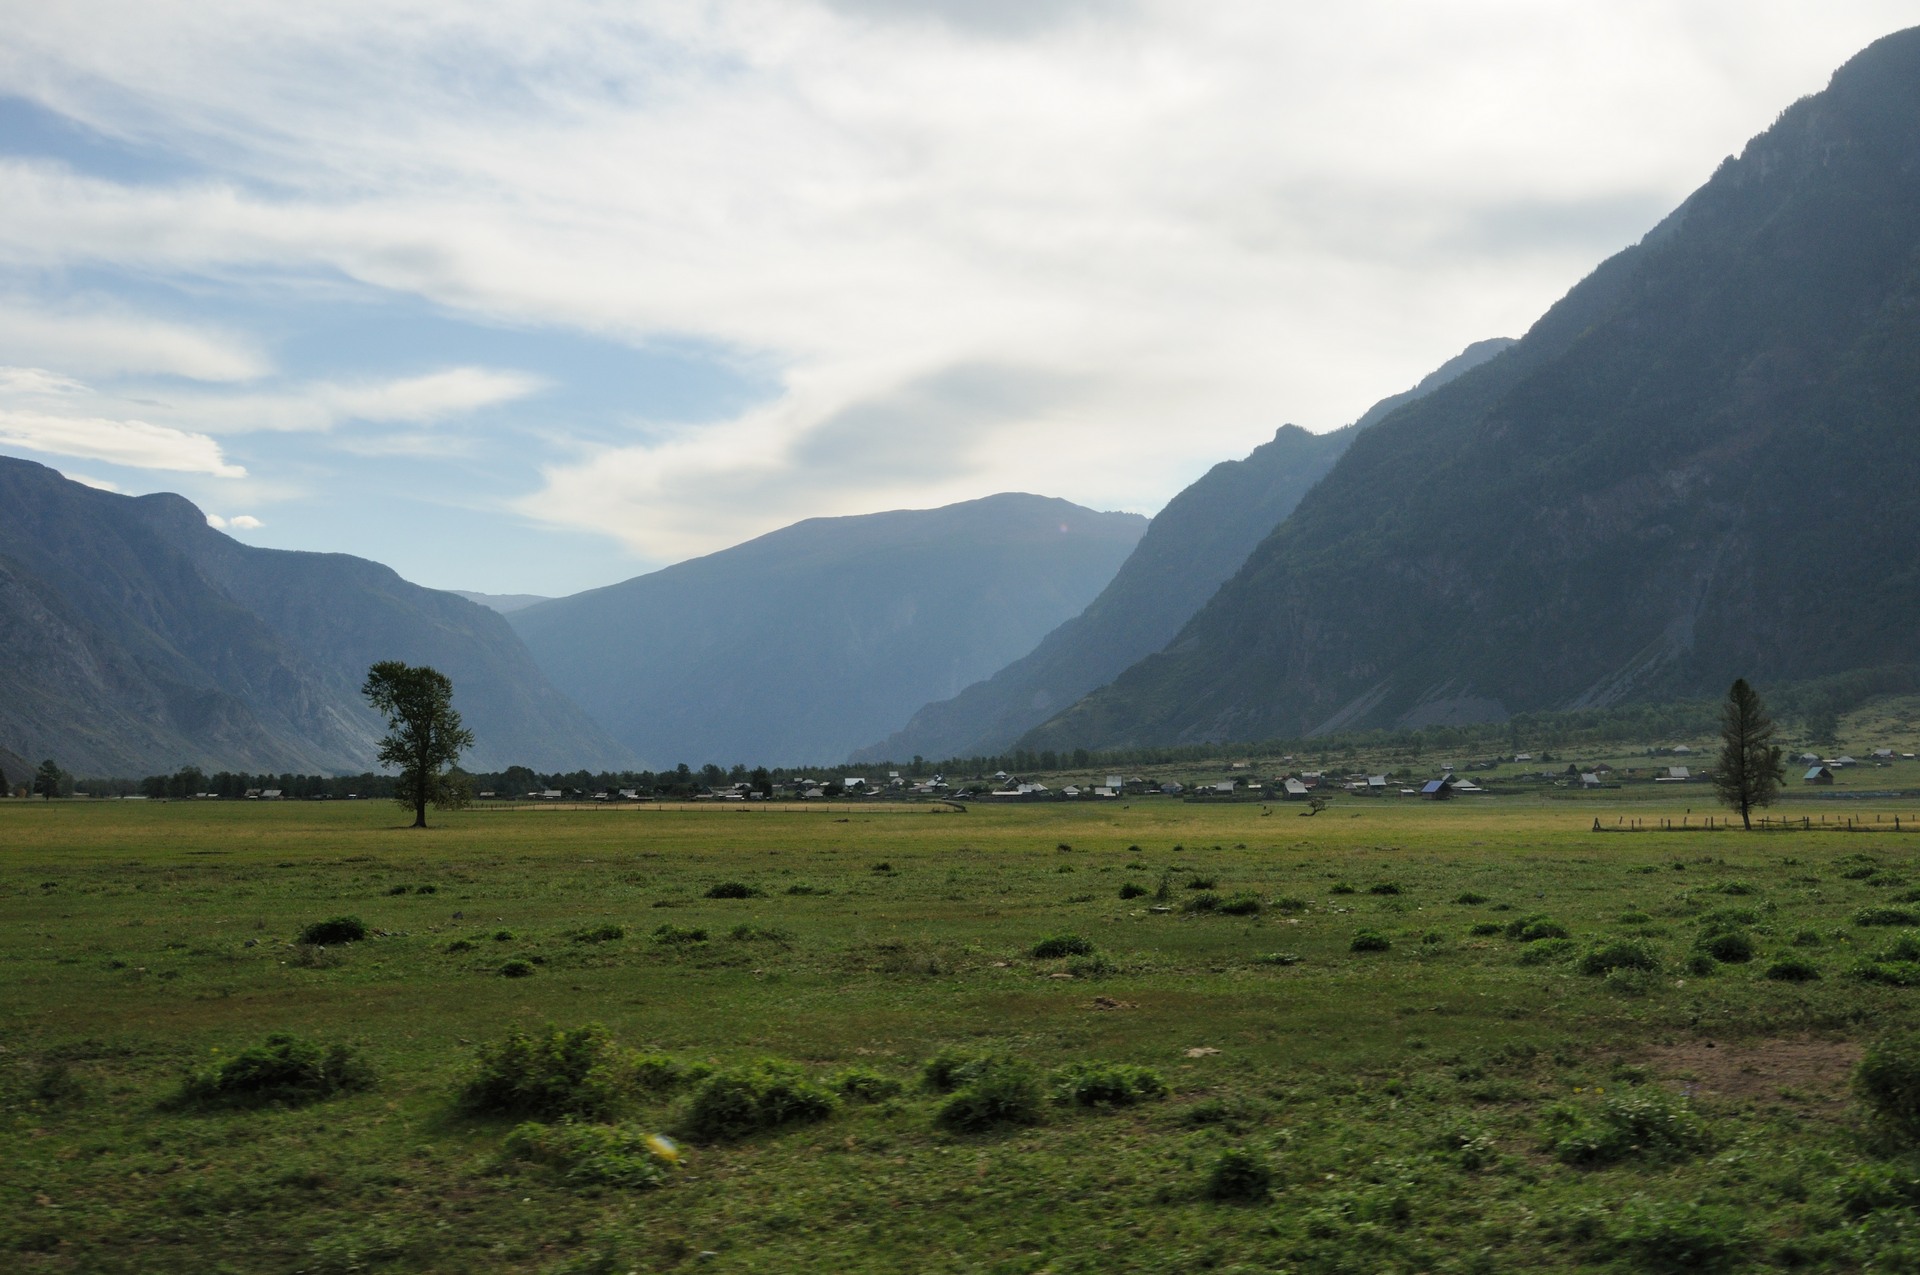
<point x="140" y="639"/>
<point x="803" y="644"/>
<point x="1701" y="464"/>
<point x="1192" y="545"/>
<point x="501" y="602"/>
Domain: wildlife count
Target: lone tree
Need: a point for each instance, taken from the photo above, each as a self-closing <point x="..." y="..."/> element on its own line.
<point x="46" y="780"/>
<point x="424" y="735"/>
<point x="1750" y="770"/>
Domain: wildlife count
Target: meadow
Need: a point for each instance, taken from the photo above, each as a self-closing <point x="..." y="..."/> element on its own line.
<point x="1163" y="1037"/>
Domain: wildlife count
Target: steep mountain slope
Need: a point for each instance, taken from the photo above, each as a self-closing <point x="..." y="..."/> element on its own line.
<point x="1702" y="463"/>
<point x="804" y="643"/>
<point x="1190" y="548"/>
<point x="141" y="639"/>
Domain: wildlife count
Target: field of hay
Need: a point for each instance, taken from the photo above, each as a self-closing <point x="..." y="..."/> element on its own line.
<point x="1393" y="1036"/>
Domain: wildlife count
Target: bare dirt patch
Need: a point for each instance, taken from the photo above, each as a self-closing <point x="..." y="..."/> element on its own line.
<point x="1813" y="1072"/>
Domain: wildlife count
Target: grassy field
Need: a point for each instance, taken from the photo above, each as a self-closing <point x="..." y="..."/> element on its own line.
<point x="1467" y="1096"/>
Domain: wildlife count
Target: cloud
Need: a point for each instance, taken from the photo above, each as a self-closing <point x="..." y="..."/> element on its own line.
<point x="122" y="442"/>
<point x="104" y="338"/>
<point x="239" y="522"/>
<point x="87" y="480"/>
<point x="1073" y="246"/>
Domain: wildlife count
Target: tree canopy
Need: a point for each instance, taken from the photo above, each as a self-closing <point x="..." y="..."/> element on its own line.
<point x="424" y="736"/>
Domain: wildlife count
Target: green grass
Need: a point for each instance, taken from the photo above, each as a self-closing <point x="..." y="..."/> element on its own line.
<point x="1440" y="1105"/>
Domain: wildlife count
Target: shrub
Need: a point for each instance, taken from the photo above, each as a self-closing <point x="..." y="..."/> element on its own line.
<point x="284" y="1069"/>
<point x="1132" y="890"/>
<point x="1736" y="888"/>
<point x="867" y="1086"/>
<point x="1105" y="1084"/>
<point x="1887" y="1079"/>
<point x="998" y="1091"/>
<point x="1245" y="903"/>
<point x="1531" y="929"/>
<point x="1886" y="916"/>
<point x="882" y="867"/>
<point x="339" y="929"/>
<point x="426" y="889"/>
<point x="595" y="1155"/>
<point x="1289" y="904"/>
<point x="549" y="1074"/>
<point x="517" y="969"/>
<point x="1892" y="973"/>
<point x="1201" y="883"/>
<point x="1808" y="938"/>
<point x="1486" y="928"/>
<point x="1629" y="982"/>
<point x="1546" y="952"/>
<point x="1665" y="1235"/>
<point x="740" y="1101"/>
<point x="1095" y="966"/>
<point x="1240" y="1176"/>
<point x="1206" y="901"/>
<point x="1369" y="941"/>
<point x="732" y="890"/>
<point x="1062" y="945"/>
<point x="1469" y="898"/>
<point x="1905" y="947"/>
<point x="462" y="945"/>
<point x="678" y="934"/>
<point x="1383" y="887"/>
<point x="1793" y="969"/>
<point x="1619" y="954"/>
<point x="1730" y="947"/>
<point x="503" y="936"/>
<point x="397" y="889"/>
<point x="949" y="1069"/>
<point x="600" y="934"/>
<point x="1340" y="887"/>
<point x="1635" y="918"/>
<point x="1644" y="1124"/>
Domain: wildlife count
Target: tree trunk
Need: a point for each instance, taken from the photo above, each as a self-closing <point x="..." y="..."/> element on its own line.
<point x="420" y="812"/>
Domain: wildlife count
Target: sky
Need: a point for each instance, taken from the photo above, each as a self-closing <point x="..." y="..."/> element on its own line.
<point x="535" y="297"/>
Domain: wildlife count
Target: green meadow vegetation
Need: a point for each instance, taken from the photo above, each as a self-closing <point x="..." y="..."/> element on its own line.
<point x="1145" y="1036"/>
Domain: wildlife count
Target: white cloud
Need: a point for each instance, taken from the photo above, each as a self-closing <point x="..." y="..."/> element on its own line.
<point x="104" y="338"/>
<point x="245" y="522"/>
<point x="1139" y="234"/>
<point x="122" y="442"/>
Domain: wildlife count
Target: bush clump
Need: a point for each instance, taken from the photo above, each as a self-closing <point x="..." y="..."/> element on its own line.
<point x="1384" y="887"/>
<point x="673" y="935"/>
<point x="550" y="1074"/>
<point x="517" y="969"/>
<point x="590" y="1155"/>
<point x="1095" y="966"/>
<point x="1105" y="1084"/>
<point x="1669" y="1235"/>
<point x="1205" y="901"/>
<point x="1887" y="1080"/>
<point x="997" y="1091"/>
<point x="1201" y="883"/>
<point x="1245" y="903"/>
<point x="600" y="934"/>
<point x="1240" y="1176"/>
<point x="1132" y="890"/>
<point x="339" y="929"/>
<point x="1793" y="969"/>
<point x="1340" y="887"/>
<point x="741" y="1101"/>
<point x="1886" y="916"/>
<point x="1290" y="904"/>
<point x="1370" y="941"/>
<point x="1547" y="951"/>
<point x="1469" y="898"/>
<point x="1645" y="1124"/>
<point x="732" y="890"/>
<point x="284" y="1069"/>
<point x="1531" y="929"/>
<point x="1485" y="929"/>
<point x="1619" y="954"/>
<point x="1062" y="945"/>
<point x="867" y="1085"/>
<point x="1729" y="947"/>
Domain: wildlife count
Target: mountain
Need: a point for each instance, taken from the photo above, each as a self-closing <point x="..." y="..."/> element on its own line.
<point x="140" y="639"/>
<point x="803" y="644"/>
<point x="1702" y="463"/>
<point x="501" y="602"/>
<point x="1190" y="548"/>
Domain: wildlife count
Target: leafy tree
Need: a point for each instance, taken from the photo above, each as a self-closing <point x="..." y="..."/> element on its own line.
<point x="424" y="735"/>
<point x="1750" y="770"/>
<point x="46" y="781"/>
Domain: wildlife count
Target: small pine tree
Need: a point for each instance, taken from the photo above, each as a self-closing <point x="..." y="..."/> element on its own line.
<point x="47" y="780"/>
<point x="1750" y="770"/>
